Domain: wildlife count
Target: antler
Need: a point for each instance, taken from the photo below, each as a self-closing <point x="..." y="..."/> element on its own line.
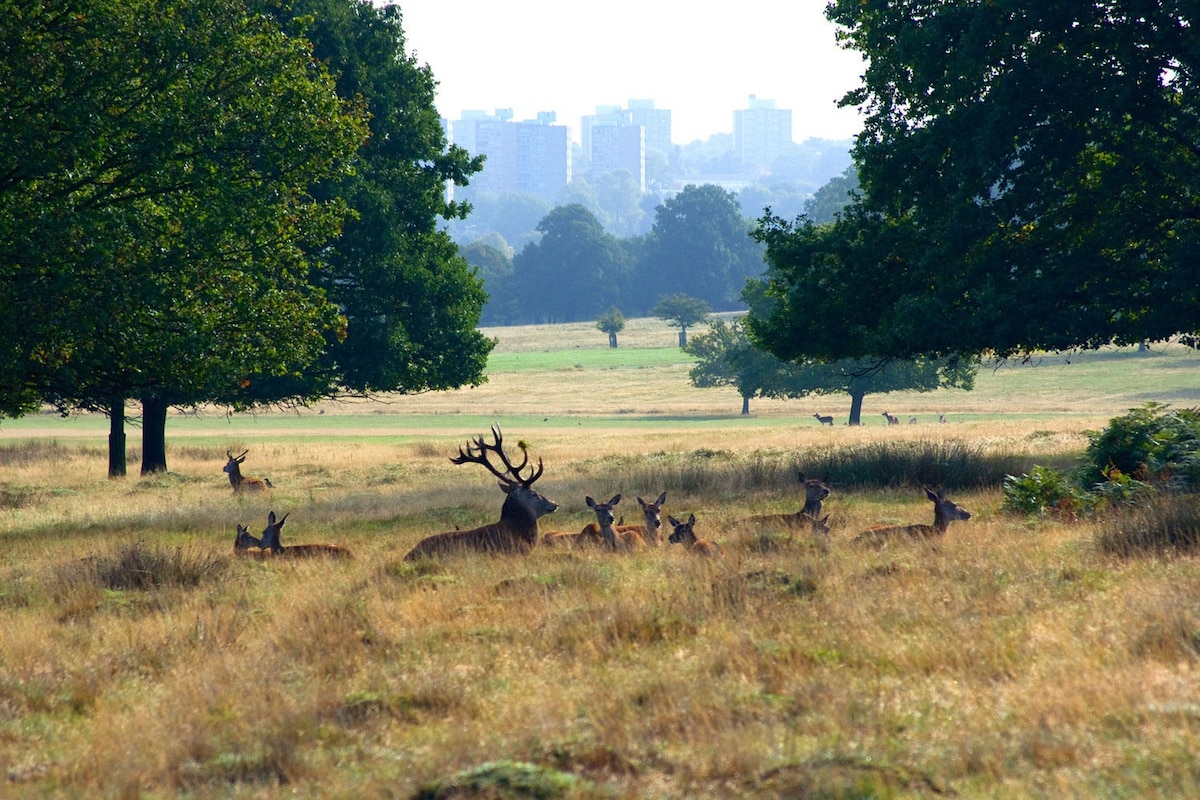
<point x="476" y="453"/>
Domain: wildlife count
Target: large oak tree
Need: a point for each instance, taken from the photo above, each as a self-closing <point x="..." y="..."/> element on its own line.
<point x="1029" y="182"/>
<point x="155" y="218"/>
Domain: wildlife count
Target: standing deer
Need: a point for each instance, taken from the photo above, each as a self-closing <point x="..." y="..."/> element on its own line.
<point x="891" y="420"/>
<point x="944" y="512"/>
<point x="614" y="540"/>
<point x="685" y="534"/>
<point x="240" y="482"/>
<point x="826" y="420"/>
<point x="517" y="529"/>
<point x="272" y="542"/>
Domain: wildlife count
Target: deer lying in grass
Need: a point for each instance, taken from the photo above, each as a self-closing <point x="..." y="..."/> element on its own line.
<point x="815" y="491"/>
<point x="685" y="534"/>
<point x="613" y="539"/>
<point x="517" y="529"/>
<point x="240" y="482"/>
<point x="648" y="532"/>
<point x="944" y="512"/>
<point x="826" y="420"/>
<point x="271" y="544"/>
<point x="891" y="420"/>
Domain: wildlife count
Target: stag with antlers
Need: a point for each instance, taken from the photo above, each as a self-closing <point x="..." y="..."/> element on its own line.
<point x="240" y="482"/>
<point x="517" y="529"/>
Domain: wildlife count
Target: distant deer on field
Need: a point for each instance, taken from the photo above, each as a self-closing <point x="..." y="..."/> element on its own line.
<point x="941" y="419"/>
<point x="517" y="529"/>
<point x="827" y="420"/>
<point x="912" y="420"/>
<point x="240" y="482"/>
<point x="685" y="534"/>
<point x="891" y="420"/>
<point x="944" y="512"/>
<point x="271" y="543"/>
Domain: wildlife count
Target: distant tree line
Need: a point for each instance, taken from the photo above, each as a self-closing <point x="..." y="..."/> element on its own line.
<point x="700" y="245"/>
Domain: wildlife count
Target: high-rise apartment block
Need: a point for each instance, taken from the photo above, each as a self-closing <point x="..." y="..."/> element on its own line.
<point x="761" y="133"/>
<point x="616" y="138"/>
<point x="532" y="156"/>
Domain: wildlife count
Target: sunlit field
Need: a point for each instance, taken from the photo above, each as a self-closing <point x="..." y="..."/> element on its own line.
<point x="1012" y="658"/>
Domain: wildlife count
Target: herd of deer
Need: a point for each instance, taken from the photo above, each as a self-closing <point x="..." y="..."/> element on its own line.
<point x="517" y="529"/>
<point x="825" y="419"/>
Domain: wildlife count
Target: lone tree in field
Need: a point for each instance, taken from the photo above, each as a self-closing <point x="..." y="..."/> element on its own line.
<point x="681" y="311"/>
<point x="611" y="322"/>
<point x="1026" y="184"/>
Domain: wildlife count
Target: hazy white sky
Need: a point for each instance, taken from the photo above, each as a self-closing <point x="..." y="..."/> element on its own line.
<point x="700" y="60"/>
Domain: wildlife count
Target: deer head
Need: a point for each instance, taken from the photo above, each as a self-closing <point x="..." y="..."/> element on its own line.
<point x="519" y="489"/>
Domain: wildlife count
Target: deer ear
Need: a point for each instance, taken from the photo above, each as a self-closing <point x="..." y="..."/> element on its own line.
<point x="616" y="499"/>
<point x="691" y="519"/>
<point x="590" y="502"/>
<point x="929" y="493"/>
<point x="504" y="487"/>
<point x="673" y="521"/>
<point x="662" y="498"/>
<point x="271" y="518"/>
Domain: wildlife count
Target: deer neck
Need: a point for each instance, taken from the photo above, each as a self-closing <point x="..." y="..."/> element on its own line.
<point x="517" y="516"/>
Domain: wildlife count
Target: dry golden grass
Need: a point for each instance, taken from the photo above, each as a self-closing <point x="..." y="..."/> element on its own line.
<point x="1012" y="659"/>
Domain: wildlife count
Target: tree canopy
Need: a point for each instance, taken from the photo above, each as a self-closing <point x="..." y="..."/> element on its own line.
<point x="155" y="218"/>
<point x="575" y="271"/>
<point x="728" y="357"/>
<point x="1027" y="183"/>
<point x="173" y="179"/>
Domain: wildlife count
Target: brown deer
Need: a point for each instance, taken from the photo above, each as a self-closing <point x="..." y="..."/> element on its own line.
<point x="944" y="512"/>
<point x="891" y="420"/>
<point x="517" y="529"/>
<point x="648" y="532"/>
<point x="810" y="516"/>
<point x="613" y="539"/>
<point x="243" y="543"/>
<point x="272" y="543"/>
<point x="685" y="534"/>
<point x="824" y="420"/>
<point x="240" y="482"/>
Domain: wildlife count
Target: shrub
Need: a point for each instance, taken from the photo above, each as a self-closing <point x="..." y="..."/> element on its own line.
<point x="1151" y="444"/>
<point x="1044" y="489"/>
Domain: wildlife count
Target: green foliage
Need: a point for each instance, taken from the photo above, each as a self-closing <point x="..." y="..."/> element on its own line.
<point x="1150" y="443"/>
<point x="611" y="321"/>
<point x="681" y="311"/>
<point x="574" y="272"/>
<point x="1022" y="185"/>
<point x="701" y="245"/>
<point x="1044" y="489"/>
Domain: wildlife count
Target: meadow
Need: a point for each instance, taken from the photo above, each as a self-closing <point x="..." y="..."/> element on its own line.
<point x="1014" y="658"/>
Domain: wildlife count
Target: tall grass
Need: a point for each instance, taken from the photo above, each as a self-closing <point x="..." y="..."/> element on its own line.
<point x="1015" y="657"/>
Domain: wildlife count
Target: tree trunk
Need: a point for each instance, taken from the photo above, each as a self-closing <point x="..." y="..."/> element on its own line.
<point x="154" y="435"/>
<point x="612" y="339"/>
<point x="745" y="404"/>
<point x="856" y="400"/>
<point x="682" y="337"/>
<point x="116" y="438"/>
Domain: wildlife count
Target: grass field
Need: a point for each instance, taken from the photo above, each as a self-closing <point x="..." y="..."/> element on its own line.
<point x="138" y="658"/>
